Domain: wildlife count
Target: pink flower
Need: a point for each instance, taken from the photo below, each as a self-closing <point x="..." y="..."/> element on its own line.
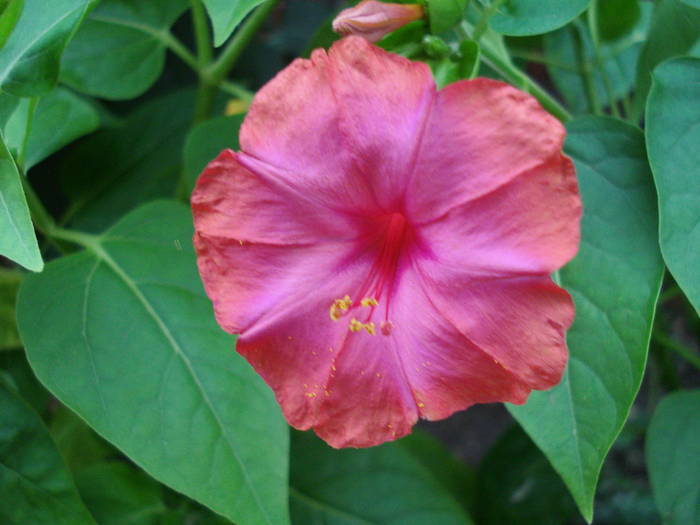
<point x="372" y="19"/>
<point x="384" y="249"/>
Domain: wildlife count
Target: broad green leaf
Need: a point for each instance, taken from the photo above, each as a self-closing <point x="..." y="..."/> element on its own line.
<point x="30" y="59"/>
<point x="10" y="11"/>
<point x="206" y="141"/>
<point x="533" y="17"/>
<point x="673" y="457"/>
<point x="60" y="118"/>
<point x="118" y="494"/>
<point x="673" y="142"/>
<point x="17" y="238"/>
<point x="614" y="281"/>
<point x="119" y="51"/>
<point x="619" y="58"/>
<point x="126" y="338"/>
<point x="516" y="484"/>
<point x="79" y="445"/>
<point x="693" y="3"/>
<point x="136" y="162"/>
<point x="378" y="486"/>
<point x="35" y="485"/>
<point x="617" y="17"/>
<point x="227" y="14"/>
<point x="673" y="32"/>
<point x="9" y="284"/>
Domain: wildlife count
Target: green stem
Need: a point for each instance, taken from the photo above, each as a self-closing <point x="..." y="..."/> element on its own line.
<point x="482" y="25"/>
<point x="585" y="72"/>
<point x="592" y="17"/>
<point x="502" y="64"/>
<point x="179" y="49"/>
<point x="683" y="351"/>
<point x="205" y="91"/>
<point x="33" y="102"/>
<point x="236" y="91"/>
<point x="225" y="62"/>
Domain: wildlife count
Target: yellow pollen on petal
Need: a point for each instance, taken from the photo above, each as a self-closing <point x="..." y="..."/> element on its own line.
<point x="355" y="325"/>
<point x="369" y="301"/>
<point x="339" y="307"/>
<point x="421" y="405"/>
<point x="310" y="394"/>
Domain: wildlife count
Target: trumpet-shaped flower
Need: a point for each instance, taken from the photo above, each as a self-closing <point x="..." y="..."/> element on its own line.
<point x="384" y="249"/>
<point x="372" y="20"/>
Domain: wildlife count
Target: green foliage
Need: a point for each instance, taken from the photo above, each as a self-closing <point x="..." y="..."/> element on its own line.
<point x="117" y="494"/>
<point x="673" y="457"/>
<point x="17" y="239"/>
<point x="10" y="11"/>
<point x="29" y="60"/>
<point x="576" y="422"/>
<point x="138" y="161"/>
<point x="616" y="17"/>
<point x="35" y="485"/>
<point x="383" y="485"/>
<point x="119" y="51"/>
<point x="227" y="14"/>
<point x="59" y="118"/>
<point x="206" y="141"/>
<point x="126" y="338"/>
<point x="674" y="31"/>
<point x="444" y="14"/>
<point x="534" y="17"/>
<point x="572" y="55"/>
<point x="9" y="284"/>
<point x="673" y="140"/>
<point x="516" y="472"/>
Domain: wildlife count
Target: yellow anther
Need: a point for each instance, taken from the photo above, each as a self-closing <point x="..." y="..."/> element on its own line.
<point x="370" y="329"/>
<point x="369" y="301"/>
<point x="421" y="405"/>
<point x="355" y="325"/>
<point x="339" y="307"/>
<point x="310" y="394"/>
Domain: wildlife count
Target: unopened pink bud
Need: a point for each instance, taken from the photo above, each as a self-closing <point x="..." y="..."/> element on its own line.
<point x="372" y="20"/>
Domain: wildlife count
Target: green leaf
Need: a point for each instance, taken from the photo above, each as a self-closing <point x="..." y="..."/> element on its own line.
<point x="79" y="445"/>
<point x="533" y="17"/>
<point x="614" y="281"/>
<point x="119" y="51"/>
<point x="9" y="284"/>
<point x="566" y="64"/>
<point x="30" y="59"/>
<point x="10" y="11"/>
<point x="60" y="118"/>
<point x="227" y="14"/>
<point x="17" y="238"/>
<point x="693" y="3"/>
<point x="673" y="457"/>
<point x="445" y="14"/>
<point x="516" y="472"/>
<point x="674" y="31"/>
<point x="35" y="485"/>
<point x="378" y="486"/>
<point x="617" y="17"/>
<point x="469" y="59"/>
<point x="126" y="338"/>
<point x="118" y="494"/>
<point x="206" y="141"/>
<point x="136" y="162"/>
<point x="673" y="139"/>
<point x="454" y="475"/>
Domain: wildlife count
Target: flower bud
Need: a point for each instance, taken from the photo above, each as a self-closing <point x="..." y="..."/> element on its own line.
<point x="372" y="20"/>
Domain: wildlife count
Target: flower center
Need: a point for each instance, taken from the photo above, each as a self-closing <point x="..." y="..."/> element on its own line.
<point x="373" y="297"/>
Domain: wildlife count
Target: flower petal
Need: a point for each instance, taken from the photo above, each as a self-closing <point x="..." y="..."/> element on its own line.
<point x="528" y="226"/>
<point x="292" y="127"/>
<point x="481" y="134"/>
<point x="384" y="101"/>
<point x="520" y="322"/>
<point x="346" y="385"/>
<point x="234" y="203"/>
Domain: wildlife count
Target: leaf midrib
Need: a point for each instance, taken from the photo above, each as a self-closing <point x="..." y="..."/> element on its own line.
<point x="103" y="256"/>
